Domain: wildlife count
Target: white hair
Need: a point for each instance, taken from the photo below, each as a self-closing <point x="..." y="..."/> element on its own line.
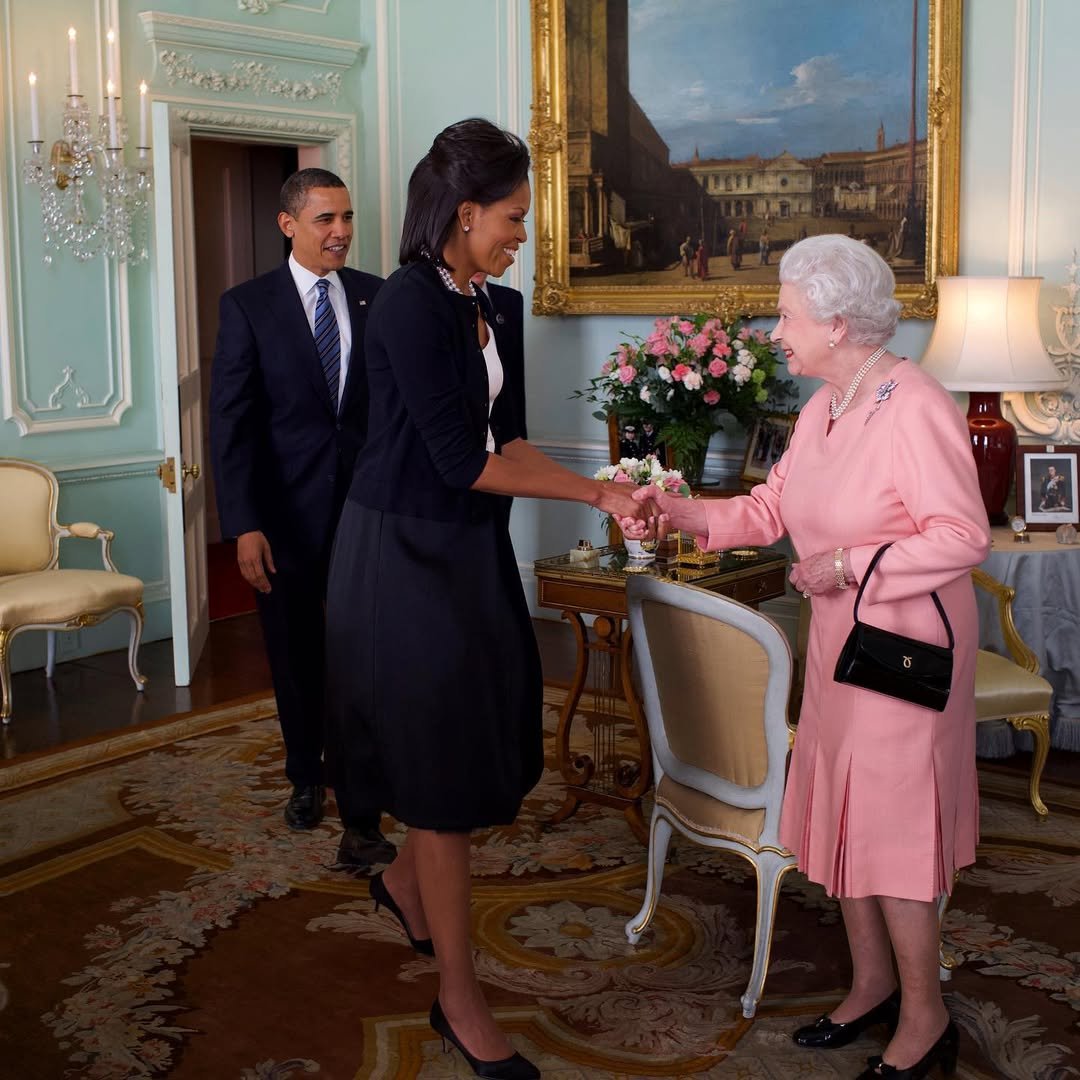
<point x="843" y="277"/>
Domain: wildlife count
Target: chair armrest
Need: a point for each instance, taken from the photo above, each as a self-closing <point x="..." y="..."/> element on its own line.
<point x="87" y="530"/>
<point x="1018" y="648"/>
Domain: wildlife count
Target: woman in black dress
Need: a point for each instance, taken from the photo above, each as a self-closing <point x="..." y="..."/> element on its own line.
<point x="434" y="677"/>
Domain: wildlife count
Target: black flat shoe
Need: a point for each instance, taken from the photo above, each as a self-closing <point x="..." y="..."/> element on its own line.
<point x="514" y="1067"/>
<point x="304" y="810"/>
<point x="823" y="1034"/>
<point x="944" y="1053"/>
<point x="381" y="895"/>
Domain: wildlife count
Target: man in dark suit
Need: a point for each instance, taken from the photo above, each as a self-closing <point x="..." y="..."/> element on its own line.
<point x="288" y="414"/>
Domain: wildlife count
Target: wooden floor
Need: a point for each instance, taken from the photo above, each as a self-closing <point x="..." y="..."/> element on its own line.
<point x="87" y="698"/>
<point x="94" y="696"/>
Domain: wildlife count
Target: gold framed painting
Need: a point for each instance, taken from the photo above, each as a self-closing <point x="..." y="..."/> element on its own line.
<point x="769" y="438"/>
<point x="681" y="146"/>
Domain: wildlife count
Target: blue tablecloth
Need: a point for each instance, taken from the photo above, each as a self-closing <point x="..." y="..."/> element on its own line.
<point x="1046" y="577"/>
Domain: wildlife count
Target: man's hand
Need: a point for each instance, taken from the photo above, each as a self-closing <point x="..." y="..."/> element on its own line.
<point x="255" y="559"/>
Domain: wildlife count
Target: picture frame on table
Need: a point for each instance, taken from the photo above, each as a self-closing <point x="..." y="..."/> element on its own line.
<point x="679" y="150"/>
<point x="1047" y="492"/>
<point x="769" y="438"/>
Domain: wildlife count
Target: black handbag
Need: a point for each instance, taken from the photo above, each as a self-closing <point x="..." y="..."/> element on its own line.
<point x="892" y="664"/>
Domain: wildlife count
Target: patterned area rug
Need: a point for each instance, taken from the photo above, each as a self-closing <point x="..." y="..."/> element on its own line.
<point x="158" y="919"/>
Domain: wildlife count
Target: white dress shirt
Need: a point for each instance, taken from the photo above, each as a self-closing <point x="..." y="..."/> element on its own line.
<point x="307" y="287"/>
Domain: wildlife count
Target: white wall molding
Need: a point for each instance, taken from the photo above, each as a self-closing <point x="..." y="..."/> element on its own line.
<point x="382" y="111"/>
<point x="1018" y="166"/>
<point x="96" y="399"/>
<point x="261" y="7"/>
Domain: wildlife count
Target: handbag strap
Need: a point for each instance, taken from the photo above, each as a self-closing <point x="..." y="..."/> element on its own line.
<point x="933" y="595"/>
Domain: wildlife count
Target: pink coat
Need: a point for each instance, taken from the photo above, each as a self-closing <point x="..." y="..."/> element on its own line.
<point x="881" y="796"/>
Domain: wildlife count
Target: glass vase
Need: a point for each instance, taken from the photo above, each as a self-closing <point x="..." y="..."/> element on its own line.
<point x="691" y="463"/>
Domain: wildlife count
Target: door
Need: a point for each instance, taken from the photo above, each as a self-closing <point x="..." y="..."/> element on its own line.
<point x="181" y="392"/>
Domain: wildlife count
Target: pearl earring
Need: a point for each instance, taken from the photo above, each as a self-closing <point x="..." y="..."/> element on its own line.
<point x="465" y="228"/>
<point x="832" y="344"/>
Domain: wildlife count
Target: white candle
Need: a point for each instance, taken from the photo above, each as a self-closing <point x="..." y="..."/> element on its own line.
<point x="111" y="102"/>
<point x="73" y="63"/>
<point x="112" y="58"/>
<point x="35" y="120"/>
<point x="143" y="103"/>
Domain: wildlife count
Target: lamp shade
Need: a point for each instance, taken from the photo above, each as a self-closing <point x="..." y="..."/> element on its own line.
<point x="987" y="337"/>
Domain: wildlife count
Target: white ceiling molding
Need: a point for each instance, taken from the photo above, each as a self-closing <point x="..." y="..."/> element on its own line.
<point x="261" y="7"/>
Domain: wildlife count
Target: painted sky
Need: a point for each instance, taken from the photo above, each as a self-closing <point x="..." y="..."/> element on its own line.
<point x="736" y="77"/>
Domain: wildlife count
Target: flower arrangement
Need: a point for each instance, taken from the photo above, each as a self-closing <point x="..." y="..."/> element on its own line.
<point x="682" y="378"/>
<point x="645" y="471"/>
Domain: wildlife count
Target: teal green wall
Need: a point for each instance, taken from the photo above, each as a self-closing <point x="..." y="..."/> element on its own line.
<point x="426" y="63"/>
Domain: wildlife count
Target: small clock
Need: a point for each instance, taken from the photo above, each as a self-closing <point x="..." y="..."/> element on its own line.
<point x="1019" y="526"/>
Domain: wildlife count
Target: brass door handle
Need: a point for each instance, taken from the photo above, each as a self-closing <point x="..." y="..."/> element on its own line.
<point x="190" y="470"/>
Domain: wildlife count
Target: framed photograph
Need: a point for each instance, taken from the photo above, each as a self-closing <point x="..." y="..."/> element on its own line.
<point x="1046" y="486"/>
<point x="769" y="438"/>
<point x="680" y="148"/>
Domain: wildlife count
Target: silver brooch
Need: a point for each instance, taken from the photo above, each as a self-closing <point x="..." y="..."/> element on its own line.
<point x="881" y="395"/>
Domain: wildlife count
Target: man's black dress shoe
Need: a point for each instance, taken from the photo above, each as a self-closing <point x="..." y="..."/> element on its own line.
<point x="381" y="895"/>
<point x="304" y="810"/>
<point x="944" y="1053"/>
<point x="361" y="848"/>
<point x="823" y="1034"/>
<point x="514" y="1067"/>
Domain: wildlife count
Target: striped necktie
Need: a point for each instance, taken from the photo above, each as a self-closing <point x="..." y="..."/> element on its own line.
<point x="328" y="340"/>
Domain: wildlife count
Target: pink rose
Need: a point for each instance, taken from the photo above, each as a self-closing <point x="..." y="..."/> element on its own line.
<point x="699" y="344"/>
<point x="686" y="327"/>
<point x="717" y="368"/>
<point x="711" y="397"/>
<point x="680" y="372"/>
<point x="622" y="478"/>
<point x="744" y="333"/>
<point x="722" y="350"/>
<point x="759" y="337"/>
<point x="605" y="367"/>
<point x="626" y="374"/>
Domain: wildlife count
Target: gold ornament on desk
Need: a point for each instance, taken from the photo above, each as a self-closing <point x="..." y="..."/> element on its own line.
<point x="1019" y="527"/>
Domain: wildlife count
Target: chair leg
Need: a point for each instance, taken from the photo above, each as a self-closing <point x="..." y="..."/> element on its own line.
<point x="1039" y="726"/>
<point x="5" y="676"/>
<point x="771" y="869"/>
<point x="133" y="649"/>
<point x="50" y="653"/>
<point x="659" y="840"/>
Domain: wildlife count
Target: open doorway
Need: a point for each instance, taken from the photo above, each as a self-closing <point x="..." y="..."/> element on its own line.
<point x="235" y="188"/>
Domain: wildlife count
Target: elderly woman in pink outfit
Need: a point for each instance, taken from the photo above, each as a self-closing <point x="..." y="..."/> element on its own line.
<point x="881" y="805"/>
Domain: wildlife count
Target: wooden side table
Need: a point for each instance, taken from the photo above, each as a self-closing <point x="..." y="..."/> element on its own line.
<point x="616" y="775"/>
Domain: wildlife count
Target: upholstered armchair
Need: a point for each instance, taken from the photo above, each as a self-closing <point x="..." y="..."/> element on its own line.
<point x="1011" y="688"/>
<point x="715" y="679"/>
<point x="35" y="594"/>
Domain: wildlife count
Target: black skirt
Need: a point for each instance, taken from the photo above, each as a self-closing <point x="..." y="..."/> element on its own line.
<point x="434" y="688"/>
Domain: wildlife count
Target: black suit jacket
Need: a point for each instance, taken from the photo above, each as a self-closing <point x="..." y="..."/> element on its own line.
<point x="508" y="308"/>
<point x="429" y="401"/>
<point x="283" y="456"/>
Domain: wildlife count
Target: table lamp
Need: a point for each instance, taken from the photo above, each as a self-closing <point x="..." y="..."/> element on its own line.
<point x="986" y="340"/>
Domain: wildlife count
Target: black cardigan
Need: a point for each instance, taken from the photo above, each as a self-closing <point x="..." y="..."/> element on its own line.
<point x="428" y="403"/>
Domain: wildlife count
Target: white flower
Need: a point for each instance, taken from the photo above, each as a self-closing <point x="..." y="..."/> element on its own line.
<point x="664" y="373"/>
<point x="746" y="358"/>
<point x="605" y="473"/>
<point x="670" y="394"/>
<point x="645" y="393"/>
<point x="692" y="381"/>
<point x="740" y="373"/>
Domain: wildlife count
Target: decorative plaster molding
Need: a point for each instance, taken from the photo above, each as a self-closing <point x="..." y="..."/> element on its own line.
<point x="82" y="398"/>
<point x="184" y="32"/>
<point x="250" y="75"/>
<point x="261" y="7"/>
<point x="1054" y="415"/>
<point x="300" y="128"/>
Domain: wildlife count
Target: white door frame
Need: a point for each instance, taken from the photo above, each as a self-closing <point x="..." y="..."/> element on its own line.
<point x="174" y="122"/>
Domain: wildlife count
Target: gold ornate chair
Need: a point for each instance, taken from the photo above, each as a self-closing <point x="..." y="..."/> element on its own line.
<point x="715" y="678"/>
<point x="1011" y="688"/>
<point x="35" y="594"/>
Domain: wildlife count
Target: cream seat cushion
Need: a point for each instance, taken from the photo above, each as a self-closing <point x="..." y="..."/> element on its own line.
<point x="1004" y="689"/>
<point x="707" y="815"/>
<point x="55" y="596"/>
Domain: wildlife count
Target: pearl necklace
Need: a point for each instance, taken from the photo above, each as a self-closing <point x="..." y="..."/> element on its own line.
<point x="836" y="409"/>
<point x="451" y="284"/>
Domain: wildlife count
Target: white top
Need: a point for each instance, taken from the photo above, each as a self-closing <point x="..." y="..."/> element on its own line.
<point x="307" y="287"/>
<point x="495" y="382"/>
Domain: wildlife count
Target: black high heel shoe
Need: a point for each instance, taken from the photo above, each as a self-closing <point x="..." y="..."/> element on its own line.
<point x="944" y="1053"/>
<point x="514" y="1067"/>
<point x="381" y="895"/>
<point x="823" y="1034"/>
